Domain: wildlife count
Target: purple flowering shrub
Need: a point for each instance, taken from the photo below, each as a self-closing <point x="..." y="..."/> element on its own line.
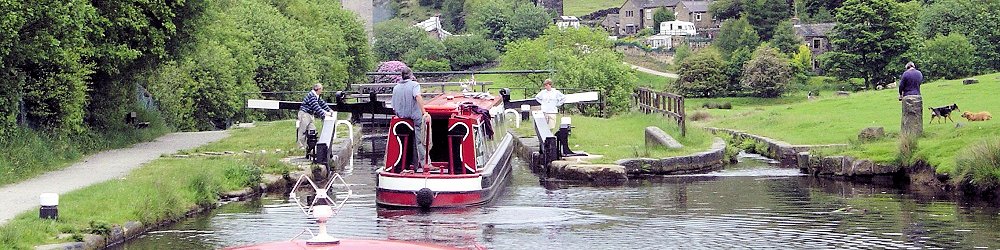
<point x="389" y="66"/>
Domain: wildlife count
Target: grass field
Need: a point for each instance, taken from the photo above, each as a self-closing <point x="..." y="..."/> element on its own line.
<point x="836" y="119"/>
<point x="623" y="137"/>
<point x="652" y="81"/>
<point x="164" y="188"/>
<point x="583" y="7"/>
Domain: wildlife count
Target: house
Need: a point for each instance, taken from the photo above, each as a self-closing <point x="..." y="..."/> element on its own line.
<point x="567" y="21"/>
<point x="660" y="41"/>
<point x="635" y="15"/>
<point x="697" y="12"/>
<point x="433" y="28"/>
<point x="816" y="36"/>
<point x="677" y="28"/>
<point x="610" y="23"/>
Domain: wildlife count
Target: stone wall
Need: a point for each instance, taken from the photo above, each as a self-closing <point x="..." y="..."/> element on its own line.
<point x="843" y="166"/>
<point x="781" y="151"/>
<point x="706" y="161"/>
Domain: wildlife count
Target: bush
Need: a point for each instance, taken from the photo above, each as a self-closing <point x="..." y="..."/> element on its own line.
<point x="979" y="165"/>
<point x="429" y="49"/>
<point x="431" y="65"/>
<point x="717" y="105"/>
<point x="390" y="66"/>
<point x="701" y="75"/>
<point x="470" y="50"/>
<point x="394" y="38"/>
<point x="767" y="74"/>
<point x="700" y="116"/>
<point x="948" y="57"/>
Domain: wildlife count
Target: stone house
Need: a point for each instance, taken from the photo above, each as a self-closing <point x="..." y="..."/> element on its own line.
<point x="610" y="23"/>
<point x="816" y="36"/>
<point x="697" y="12"/>
<point x="635" y="15"/>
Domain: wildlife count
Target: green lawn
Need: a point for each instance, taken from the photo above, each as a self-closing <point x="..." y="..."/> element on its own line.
<point x="835" y="119"/>
<point x="623" y="137"/>
<point x="583" y="7"/>
<point x="164" y="188"/>
<point x="652" y="81"/>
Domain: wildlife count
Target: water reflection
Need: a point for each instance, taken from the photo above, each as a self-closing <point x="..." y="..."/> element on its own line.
<point x="751" y="205"/>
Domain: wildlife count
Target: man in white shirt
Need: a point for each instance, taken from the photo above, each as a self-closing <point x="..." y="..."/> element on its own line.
<point x="550" y="99"/>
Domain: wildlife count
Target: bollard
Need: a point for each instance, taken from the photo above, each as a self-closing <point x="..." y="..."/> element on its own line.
<point x="525" y="112"/>
<point x="913" y="115"/>
<point x="49" y="206"/>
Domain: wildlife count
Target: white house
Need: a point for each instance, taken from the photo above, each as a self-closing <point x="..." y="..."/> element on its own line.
<point x="677" y="28"/>
<point x="567" y="21"/>
<point x="433" y="28"/>
<point x="660" y="40"/>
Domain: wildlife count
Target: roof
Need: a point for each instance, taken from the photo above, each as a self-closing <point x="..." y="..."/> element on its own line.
<point x="814" y="30"/>
<point x="660" y="3"/>
<point x="431" y="24"/>
<point x="696" y="6"/>
<point x="610" y="19"/>
<point x="568" y="18"/>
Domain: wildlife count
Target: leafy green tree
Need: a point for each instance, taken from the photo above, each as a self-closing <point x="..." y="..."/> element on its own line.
<point x="736" y="34"/>
<point x="527" y="21"/>
<point x="394" y="38"/>
<point x="822" y="7"/>
<point x="785" y="38"/>
<point x="490" y="19"/>
<point x="979" y="21"/>
<point x="734" y="72"/>
<point x="429" y="49"/>
<point x="764" y="15"/>
<point x="801" y="64"/>
<point x="727" y="9"/>
<point x="767" y="74"/>
<point x="701" y="75"/>
<point x="583" y="58"/>
<point x="431" y="65"/>
<point x="948" y="57"/>
<point x="681" y="52"/>
<point x="469" y="50"/>
<point x="454" y="15"/>
<point x="662" y="15"/>
<point x="869" y="35"/>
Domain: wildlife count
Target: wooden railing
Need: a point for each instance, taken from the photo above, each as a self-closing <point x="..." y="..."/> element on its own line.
<point x="668" y="104"/>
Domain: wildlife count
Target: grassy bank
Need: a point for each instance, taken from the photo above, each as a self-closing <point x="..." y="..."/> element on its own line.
<point x="652" y="81"/>
<point x="27" y="153"/>
<point x="838" y="119"/>
<point x="583" y="7"/>
<point x="164" y="188"/>
<point x="623" y="137"/>
<point x="649" y="63"/>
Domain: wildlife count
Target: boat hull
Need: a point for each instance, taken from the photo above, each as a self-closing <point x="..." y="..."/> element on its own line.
<point x="417" y="190"/>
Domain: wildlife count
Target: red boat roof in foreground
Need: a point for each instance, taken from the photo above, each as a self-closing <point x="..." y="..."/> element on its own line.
<point x="346" y="244"/>
<point x="449" y="102"/>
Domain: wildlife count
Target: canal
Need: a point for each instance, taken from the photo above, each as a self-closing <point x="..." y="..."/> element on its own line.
<point x="749" y="205"/>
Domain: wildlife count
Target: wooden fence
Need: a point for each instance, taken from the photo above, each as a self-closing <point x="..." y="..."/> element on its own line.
<point x="668" y="104"/>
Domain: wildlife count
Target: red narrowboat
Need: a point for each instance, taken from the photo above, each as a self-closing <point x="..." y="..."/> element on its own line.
<point x="469" y="160"/>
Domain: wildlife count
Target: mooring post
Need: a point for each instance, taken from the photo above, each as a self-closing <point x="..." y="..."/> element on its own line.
<point x="913" y="115"/>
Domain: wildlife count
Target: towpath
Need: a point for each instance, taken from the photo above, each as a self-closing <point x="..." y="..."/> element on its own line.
<point x="647" y="70"/>
<point x="23" y="196"/>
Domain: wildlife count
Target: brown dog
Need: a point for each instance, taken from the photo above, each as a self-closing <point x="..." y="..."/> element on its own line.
<point x="981" y="116"/>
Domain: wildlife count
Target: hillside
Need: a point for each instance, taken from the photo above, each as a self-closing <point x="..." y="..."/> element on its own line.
<point x="838" y="119"/>
<point x="583" y="7"/>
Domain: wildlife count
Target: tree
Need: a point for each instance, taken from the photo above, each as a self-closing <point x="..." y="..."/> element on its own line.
<point x="979" y="21"/>
<point x="394" y="38"/>
<point x="736" y="34"/>
<point x="454" y="15"/>
<point x="948" y="57"/>
<point x="662" y="15"/>
<point x="785" y="38"/>
<point x="490" y="19"/>
<point x="764" y="15"/>
<point x="582" y="58"/>
<point x="681" y="52"/>
<point x="734" y="72"/>
<point x="726" y="9"/>
<point x="822" y="7"/>
<point x="869" y="35"/>
<point x="801" y="64"/>
<point x="701" y="75"/>
<point x="429" y="49"/>
<point x="767" y="74"/>
<point x="527" y="21"/>
<point x="470" y="50"/>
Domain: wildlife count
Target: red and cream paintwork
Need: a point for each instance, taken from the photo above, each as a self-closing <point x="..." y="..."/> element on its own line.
<point x="468" y="168"/>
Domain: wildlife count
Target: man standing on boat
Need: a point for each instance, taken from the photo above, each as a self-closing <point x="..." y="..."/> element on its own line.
<point x="407" y="103"/>
<point x="311" y="106"/>
<point x="550" y="100"/>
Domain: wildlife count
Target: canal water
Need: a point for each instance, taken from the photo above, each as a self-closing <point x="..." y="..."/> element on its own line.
<point x="750" y="205"/>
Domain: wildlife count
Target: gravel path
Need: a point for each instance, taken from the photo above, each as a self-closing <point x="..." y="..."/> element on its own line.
<point x="663" y="74"/>
<point x="23" y="196"/>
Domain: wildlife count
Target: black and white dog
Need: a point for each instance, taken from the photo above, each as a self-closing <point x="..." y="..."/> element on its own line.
<point x="943" y="112"/>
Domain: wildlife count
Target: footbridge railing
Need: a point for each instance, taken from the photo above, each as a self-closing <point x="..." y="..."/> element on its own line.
<point x="667" y="104"/>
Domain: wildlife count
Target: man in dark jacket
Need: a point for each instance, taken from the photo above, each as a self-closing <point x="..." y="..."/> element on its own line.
<point x="312" y="107"/>
<point x="909" y="84"/>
